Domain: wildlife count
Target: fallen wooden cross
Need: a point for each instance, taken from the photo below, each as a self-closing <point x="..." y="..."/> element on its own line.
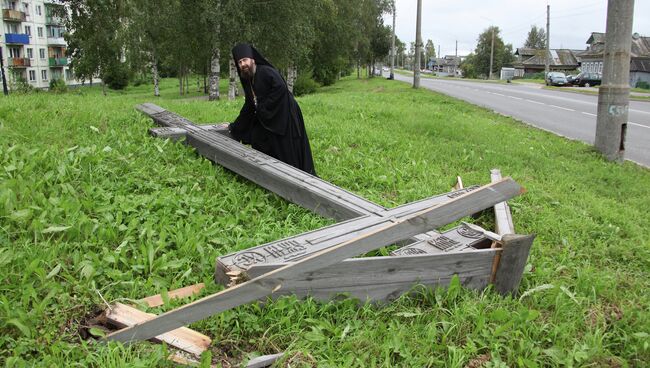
<point x="367" y="240"/>
<point x="316" y="263"/>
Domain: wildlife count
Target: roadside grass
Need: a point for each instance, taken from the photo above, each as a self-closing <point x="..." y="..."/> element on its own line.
<point x="633" y="97"/>
<point x="91" y="207"/>
<point x="430" y="76"/>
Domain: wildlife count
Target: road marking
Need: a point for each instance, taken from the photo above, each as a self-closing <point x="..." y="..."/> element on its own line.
<point x="516" y="98"/>
<point x="536" y="102"/>
<point x="563" y="108"/>
<point x="498" y="94"/>
<point x="639" y="125"/>
<point x="588" y="113"/>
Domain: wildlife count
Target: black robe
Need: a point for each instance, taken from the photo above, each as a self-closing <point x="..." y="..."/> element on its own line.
<point x="274" y="125"/>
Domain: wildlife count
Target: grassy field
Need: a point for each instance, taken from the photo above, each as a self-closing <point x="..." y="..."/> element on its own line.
<point x="92" y="208"/>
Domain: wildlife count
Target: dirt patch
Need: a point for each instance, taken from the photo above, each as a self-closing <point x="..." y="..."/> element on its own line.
<point x="479" y="361"/>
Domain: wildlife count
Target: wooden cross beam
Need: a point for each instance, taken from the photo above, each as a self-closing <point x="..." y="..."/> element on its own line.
<point x="368" y="240"/>
<point x="288" y="182"/>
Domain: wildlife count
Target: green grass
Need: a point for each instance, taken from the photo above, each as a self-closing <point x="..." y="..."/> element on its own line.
<point x="595" y="93"/>
<point x="90" y="205"/>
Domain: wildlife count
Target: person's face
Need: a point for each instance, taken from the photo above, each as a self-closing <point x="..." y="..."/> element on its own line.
<point x="247" y="67"/>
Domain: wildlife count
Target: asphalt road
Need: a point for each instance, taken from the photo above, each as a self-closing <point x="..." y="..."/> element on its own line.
<point x="571" y="115"/>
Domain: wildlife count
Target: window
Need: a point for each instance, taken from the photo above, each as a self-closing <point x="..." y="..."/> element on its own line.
<point x="38" y="10"/>
<point x="32" y="75"/>
<point x="30" y="53"/>
<point x="11" y="28"/>
<point x="68" y="74"/>
<point x="44" y="75"/>
<point x="28" y="30"/>
<point x="26" y="8"/>
<point x="40" y="31"/>
<point x="14" y="52"/>
<point x="41" y="53"/>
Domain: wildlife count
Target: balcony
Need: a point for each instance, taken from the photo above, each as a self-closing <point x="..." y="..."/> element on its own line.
<point x="53" y="20"/>
<point x="58" y="62"/>
<point x="18" y="62"/>
<point x="56" y="41"/>
<point x="13" y="15"/>
<point x="18" y="38"/>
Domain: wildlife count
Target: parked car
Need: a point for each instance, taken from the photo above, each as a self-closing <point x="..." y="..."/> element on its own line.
<point x="588" y="79"/>
<point x="570" y="78"/>
<point x="556" y="79"/>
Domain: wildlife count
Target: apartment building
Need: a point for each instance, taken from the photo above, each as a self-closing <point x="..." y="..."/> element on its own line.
<point x="33" y="48"/>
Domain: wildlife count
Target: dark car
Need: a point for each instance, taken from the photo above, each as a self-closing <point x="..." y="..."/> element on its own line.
<point x="570" y="78"/>
<point x="588" y="79"/>
<point x="556" y="79"/>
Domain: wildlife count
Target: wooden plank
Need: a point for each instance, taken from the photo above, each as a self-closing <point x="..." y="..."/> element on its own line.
<point x="460" y="238"/>
<point x="381" y="279"/>
<point x="502" y="216"/>
<point x="238" y="265"/>
<point x="271" y="282"/>
<point x="513" y="258"/>
<point x="183" y="338"/>
<point x="302" y="245"/>
<point x="173" y="133"/>
<point x="156" y="300"/>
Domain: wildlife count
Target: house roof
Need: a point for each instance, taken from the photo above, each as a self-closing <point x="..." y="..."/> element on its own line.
<point x="640" y="48"/>
<point x="596" y="38"/>
<point x="557" y="57"/>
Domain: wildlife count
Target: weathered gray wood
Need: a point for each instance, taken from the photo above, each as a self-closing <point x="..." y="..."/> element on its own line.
<point x="380" y="279"/>
<point x="149" y="108"/>
<point x="502" y="216"/>
<point x="300" y="246"/>
<point x="461" y="238"/>
<point x="292" y="249"/>
<point x="510" y="269"/>
<point x="173" y="133"/>
<point x="262" y="286"/>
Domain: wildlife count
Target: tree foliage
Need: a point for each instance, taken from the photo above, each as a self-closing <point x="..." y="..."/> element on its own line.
<point x="536" y="38"/>
<point x="478" y="64"/>
<point x="320" y="38"/>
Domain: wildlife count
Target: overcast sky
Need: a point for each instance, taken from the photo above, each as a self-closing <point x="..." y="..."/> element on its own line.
<point x="444" y="22"/>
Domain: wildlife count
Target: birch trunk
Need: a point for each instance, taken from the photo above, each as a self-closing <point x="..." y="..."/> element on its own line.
<point x="214" y="75"/>
<point x="180" y="81"/>
<point x="292" y="75"/>
<point x="232" y="83"/>
<point x="154" y="71"/>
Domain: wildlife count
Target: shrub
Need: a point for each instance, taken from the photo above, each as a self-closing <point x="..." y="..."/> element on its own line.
<point x="57" y="85"/>
<point x="643" y="85"/>
<point x="539" y="75"/>
<point x="305" y="84"/>
<point x="116" y="76"/>
<point x="21" y="86"/>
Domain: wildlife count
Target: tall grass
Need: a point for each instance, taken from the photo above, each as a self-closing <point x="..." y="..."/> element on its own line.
<point x="92" y="207"/>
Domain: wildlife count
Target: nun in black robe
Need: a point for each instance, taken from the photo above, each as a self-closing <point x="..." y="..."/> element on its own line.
<point x="270" y="120"/>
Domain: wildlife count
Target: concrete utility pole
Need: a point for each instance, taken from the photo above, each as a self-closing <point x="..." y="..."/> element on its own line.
<point x="548" y="40"/>
<point x="392" y="48"/>
<point x="456" y="59"/>
<point x="614" y="93"/>
<point x="418" y="47"/>
<point x="491" y="54"/>
<point x="2" y="70"/>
